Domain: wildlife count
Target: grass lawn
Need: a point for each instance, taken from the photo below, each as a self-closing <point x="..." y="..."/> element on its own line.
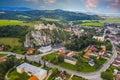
<point x="35" y="64"/>
<point x="77" y="78"/>
<point x="9" y="22"/>
<point x="14" y="75"/>
<point x="68" y="66"/>
<point x="2" y="55"/>
<point x="47" y="68"/>
<point x="50" y="57"/>
<point x="83" y="67"/>
<point x="10" y="41"/>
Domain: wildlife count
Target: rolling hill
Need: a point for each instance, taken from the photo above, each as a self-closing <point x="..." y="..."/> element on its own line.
<point x="38" y="14"/>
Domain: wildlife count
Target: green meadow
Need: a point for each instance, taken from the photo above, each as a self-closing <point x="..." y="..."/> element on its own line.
<point x="50" y="19"/>
<point x="91" y="23"/>
<point x="9" y="22"/>
<point x="10" y="41"/>
<point x="112" y="20"/>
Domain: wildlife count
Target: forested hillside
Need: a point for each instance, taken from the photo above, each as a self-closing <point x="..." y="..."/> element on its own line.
<point x="54" y="14"/>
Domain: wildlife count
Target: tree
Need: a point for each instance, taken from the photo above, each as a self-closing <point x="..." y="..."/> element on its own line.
<point x="107" y="75"/>
<point x="39" y="63"/>
<point x="25" y="59"/>
<point x="44" y="64"/>
<point x="7" y="47"/>
<point x="5" y="66"/>
<point x="60" y="59"/>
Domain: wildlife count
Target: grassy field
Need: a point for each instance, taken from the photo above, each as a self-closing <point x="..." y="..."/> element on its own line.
<point x="22" y="16"/>
<point x="92" y="24"/>
<point x="17" y="22"/>
<point x="49" y="19"/>
<point x="113" y="20"/>
<point x="14" y="75"/>
<point x="9" y="22"/>
<point x="2" y="55"/>
<point x="10" y="41"/>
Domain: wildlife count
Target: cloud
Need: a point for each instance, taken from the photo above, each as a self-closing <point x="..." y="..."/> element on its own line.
<point x="50" y="1"/>
<point x="115" y="4"/>
<point x="91" y="3"/>
<point x="35" y="1"/>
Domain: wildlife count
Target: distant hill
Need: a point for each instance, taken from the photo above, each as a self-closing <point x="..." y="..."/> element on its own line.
<point x="15" y="8"/>
<point x="54" y="14"/>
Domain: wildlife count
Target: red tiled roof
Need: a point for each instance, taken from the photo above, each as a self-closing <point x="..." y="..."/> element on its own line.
<point x="71" y="54"/>
<point x="2" y="59"/>
<point x="92" y="48"/>
<point x="86" y="55"/>
<point x="30" y="50"/>
<point x="33" y="78"/>
<point x="102" y="52"/>
<point x="67" y="29"/>
<point x="117" y="77"/>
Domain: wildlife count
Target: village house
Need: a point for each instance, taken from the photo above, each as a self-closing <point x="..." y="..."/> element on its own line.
<point x="33" y="78"/>
<point x="44" y="49"/>
<point x="118" y="59"/>
<point x="89" y="51"/>
<point x="61" y="52"/>
<point x="30" y="51"/>
<point x="87" y="54"/>
<point x="91" y="62"/>
<point x="19" y="56"/>
<point x="116" y="62"/>
<point x="1" y="48"/>
<point x="116" y="74"/>
<point x="117" y="77"/>
<point x="61" y="76"/>
<point x="99" y="38"/>
<point x="71" y="54"/>
<point x="107" y="56"/>
<point x="68" y="29"/>
<point x="101" y="52"/>
<point x="32" y="71"/>
<point x="70" y="60"/>
<point x="2" y="59"/>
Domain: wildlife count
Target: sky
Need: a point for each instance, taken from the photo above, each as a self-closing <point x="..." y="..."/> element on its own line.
<point x="95" y="6"/>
